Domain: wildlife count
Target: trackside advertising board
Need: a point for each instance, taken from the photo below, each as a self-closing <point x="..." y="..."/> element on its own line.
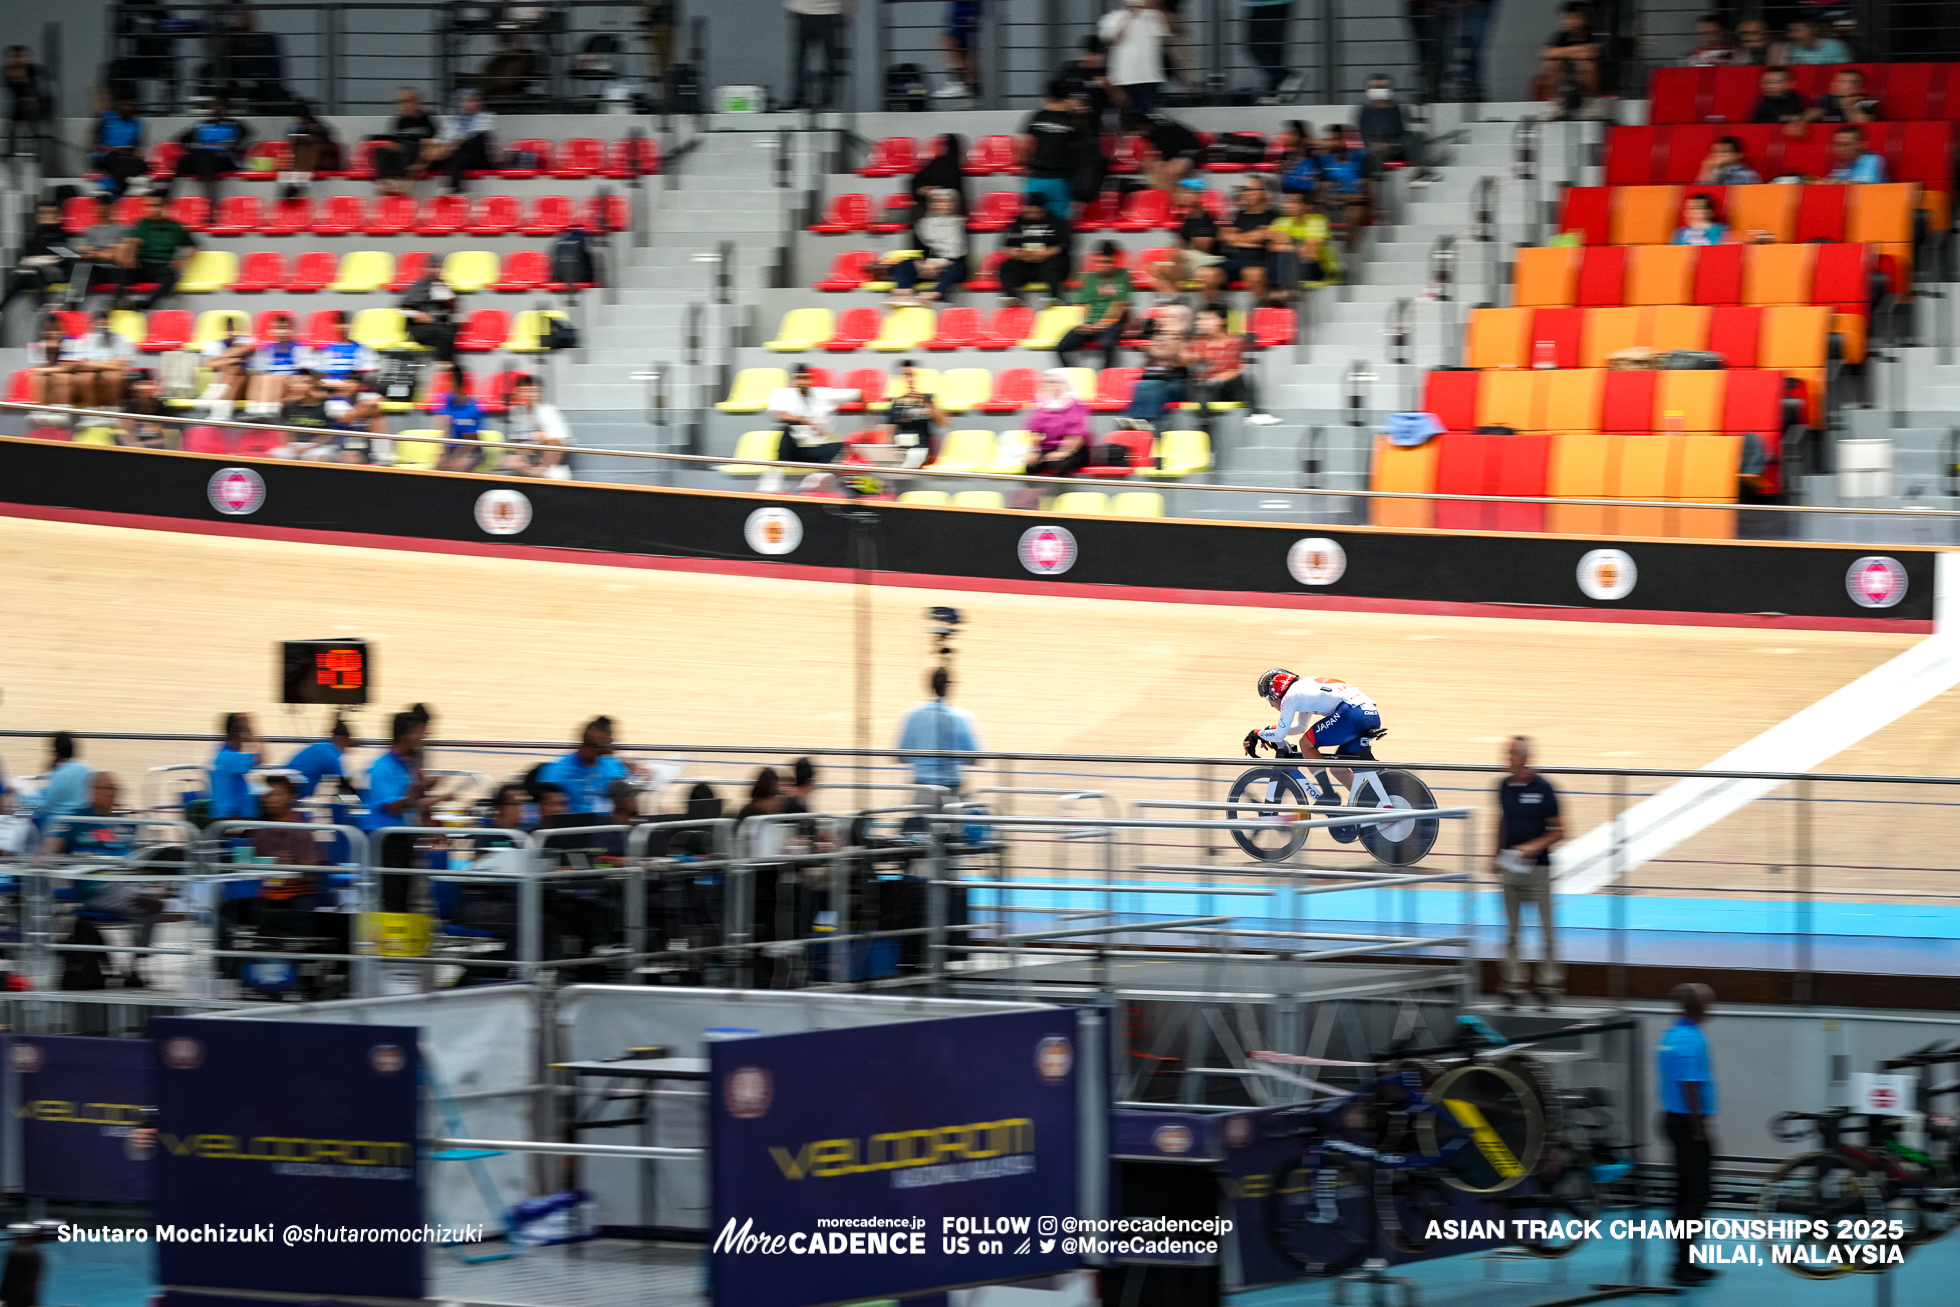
<point x="80" y="1100"/>
<point x="286" y="1157"/>
<point x="897" y="1159"/>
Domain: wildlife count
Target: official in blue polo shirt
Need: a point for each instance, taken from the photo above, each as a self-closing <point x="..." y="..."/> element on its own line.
<point x="586" y="774"/>
<point x="231" y="766"/>
<point x="398" y="795"/>
<point x="323" y="758"/>
<point x="1688" y="1104"/>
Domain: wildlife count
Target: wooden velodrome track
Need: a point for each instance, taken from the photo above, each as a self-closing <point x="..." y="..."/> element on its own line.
<point x="120" y="629"/>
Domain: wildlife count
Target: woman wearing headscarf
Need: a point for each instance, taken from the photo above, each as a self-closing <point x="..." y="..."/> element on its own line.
<point x="1060" y="428"/>
<point x="945" y="170"/>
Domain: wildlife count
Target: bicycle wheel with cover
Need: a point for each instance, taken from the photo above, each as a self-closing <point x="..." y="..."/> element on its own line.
<point x="1272" y="796"/>
<point x="1821" y="1186"/>
<point x="1320" y="1215"/>
<point x="1397" y="843"/>
<point x="1502" y="1119"/>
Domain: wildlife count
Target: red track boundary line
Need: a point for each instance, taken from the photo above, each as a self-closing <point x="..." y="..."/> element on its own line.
<point x="978" y="584"/>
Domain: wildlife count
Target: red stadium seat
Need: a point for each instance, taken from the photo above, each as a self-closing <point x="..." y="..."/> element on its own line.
<point x="236" y="215"/>
<point x="193" y="211"/>
<point x="1602" y="276"/>
<point x="1753" y="401"/>
<point x="1733" y="332"/>
<point x="892" y="157"/>
<point x="1718" y="272"/>
<point x="1451" y="397"/>
<point x="1466" y="464"/>
<point x="486" y="330"/>
<point x="360" y="160"/>
<point x="990" y="155"/>
<point x="869" y="383"/>
<point x="1588" y="210"/>
<point x="895" y="214"/>
<point x="340" y="215"/>
<point x="276" y="152"/>
<point x="442" y="215"/>
<point x="1143" y="211"/>
<point x="287" y="218"/>
<point x="1014" y="389"/>
<point x="1732" y="95"/>
<point x="1810" y="154"/>
<point x="261" y="270"/>
<point x="312" y="271"/>
<point x="1140" y="273"/>
<point x="1843" y="276"/>
<point x="988" y="278"/>
<point x="1913" y="92"/>
<point x="995" y="211"/>
<point x="1820" y="213"/>
<point x="208" y="440"/>
<point x="259" y="444"/>
<point x="1114" y="387"/>
<point x="1564" y="329"/>
<point x="166" y="329"/>
<point x="1100" y="213"/>
<point x="1630" y="156"/>
<point x="410" y="268"/>
<point x="163" y="157"/>
<point x="1682" y="151"/>
<point x="845" y="213"/>
<point x="1125" y="153"/>
<point x="632" y="156"/>
<point x="496" y="391"/>
<point x="579" y="157"/>
<point x="1272" y="326"/>
<point x="1925" y="153"/>
<point x="493" y="215"/>
<point x="391" y="216"/>
<point x="550" y="215"/>
<point x="848" y="271"/>
<point x="958" y="328"/>
<point x="524" y="270"/>
<point x="1627" y="402"/>
<point x="603" y="212"/>
<point x="1675" y="95"/>
<point x="540" y="150"/>
<point x="1007" y="327"/>
<point x="855" y="329"/>
<point x="262" y="323"/>
<point x="126" y="211"/>
<point x="1139" y="443"/>
<point x="318" y="330"/>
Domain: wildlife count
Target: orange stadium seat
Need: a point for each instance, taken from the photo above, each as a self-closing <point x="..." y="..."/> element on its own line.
<point x="1769" y="209"/>
<point x="1546" y="277"/>
<point x="1398" y="469"/>
<point x="1645" y="215"/>
<point x="1678" y="326"/>
<point x="1607" y="332"/>
<point x="1572" y="399"/>
<point x="1660" y="274"/>
<point x="1499" y="338"/>
<point x="1778" y="274"/>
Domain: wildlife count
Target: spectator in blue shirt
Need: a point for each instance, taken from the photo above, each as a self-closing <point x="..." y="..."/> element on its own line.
<point x="1688" y="1104"/>
<point x="323" y="758"/>
<point x="398" y="795"/>
<point x="118" y="152"/>
<point x="231" y="766"/>
<point x="461" y="418"/>
<point x="936" y="724"/>
<point x="140" y="905"/>
<point x="1851" y="161"/>
<point x="66" y="787"/>
<point x="586" y="774"/>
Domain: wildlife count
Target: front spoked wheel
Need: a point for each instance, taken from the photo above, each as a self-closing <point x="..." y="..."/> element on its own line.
<point x="1823" y="1188"/>
<point x="1273" y="798"/>
<point x="1397" y="843"/>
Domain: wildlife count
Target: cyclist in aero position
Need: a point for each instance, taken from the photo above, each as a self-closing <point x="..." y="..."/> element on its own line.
<point x="1349" y="719"/>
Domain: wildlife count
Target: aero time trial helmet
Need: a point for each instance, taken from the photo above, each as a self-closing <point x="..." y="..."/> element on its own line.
<point x="1274" y="685"/>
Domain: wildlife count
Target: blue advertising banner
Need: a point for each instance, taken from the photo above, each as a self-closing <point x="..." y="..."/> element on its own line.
<point x="286" y="1157"/>
<point x="899" y="1159"/>
<point x="78" y="1101"/>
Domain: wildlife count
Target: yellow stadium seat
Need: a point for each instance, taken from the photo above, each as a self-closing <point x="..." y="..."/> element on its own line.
<point x="905" y="328"/>
<point x="1051" y="324"/>
<point x="803" y="329"/>
<point x="129" y="324"/>
<point x="1546" y="277"/>
<point x="1681" y="326"/>
<point x="1572" y="398"/>
<point x="1181" y="454"/>
<point x="1012" y="450"/>
<point x="1645" y="471"/>
<point x="1411" y="470"/>
<point x="527" y="332"/>
<point x="1081" y="382"/>
<point x="1512" y="398"/>
<point x="752" y="444"/>
<point x="96" y="436"/>
<point x="1708" y="470"/>
<point x="1083" y="503"/>
<point x="1660" y="274"/>
<point x="493" y="450"/>
<point x="1581" y="467"/>
<point x="207" y="271"/>
<point x="469" y="271"/>
<point x="380" y="329"/>
<point x="927" y="380"/>
<point x="364" y="272"/>
<point x="938" y="498"/>
<point x="979" y="499"/>
<point x="751" y="391"/>
<point x="962" y="390"/>
<point x="1644" y="215"/>
<point x="1696" y="396"/>
<point x="1499" y="338"/>
<point x="1607" y="331"/>
<point x="964" y="451"/>
<point x="417" y="449"/>
<point x="1136" y="503"/>
<point x="215" y="324"/>
<point x="1768" y="208"/>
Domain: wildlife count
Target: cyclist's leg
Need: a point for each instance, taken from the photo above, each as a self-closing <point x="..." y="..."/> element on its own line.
<point x="1341" y="732"/>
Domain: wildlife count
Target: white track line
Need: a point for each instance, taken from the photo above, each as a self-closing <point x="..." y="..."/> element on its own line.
<point x="1823" y="730"/>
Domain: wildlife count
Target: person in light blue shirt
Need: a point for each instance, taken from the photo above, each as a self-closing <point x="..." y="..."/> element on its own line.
<point x="587" y="773"/>
<point x="1688" y="1103"/>
<point x="231" y="767"/>
<point x="65" y="788"/>
<point x="938" y="725"/>
<point x="323" y="758"/>
<point x="1851" y="161"/>
<point x="1811" y="44"/>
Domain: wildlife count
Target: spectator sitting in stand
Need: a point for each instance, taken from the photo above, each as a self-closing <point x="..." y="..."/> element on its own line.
<point x="407" y="148"/>
<point x="1779" y="102"/>
<point x="1105" y="299"/>
<point x="231" y="767"/>
<point x="1196" y="237"/>
<point x="460" y="419"/>
<point x="117" y="152"/>
<point x="912" y="422"/>
<point x="1725" y="165"/>
<point x="1713" y="44"/>
<point x="229" y="358"/>
<point x="1851" y="161"/>
<point x="213" y="146"/>
<point x="944" y="170"/>
<point x="1218" y="370"/>
<point x="1848" y="101"/>
<point x="40" y="264"/>
<point x="466" y="145"/>
<point x="1571" y="61"/>
<point x="96" y="361"/>
<point x="141" y="426"/>
<point x="51" y="378"/>
<point x="1809" y="43"/>
<point x="1300" y="250"/>
<point x="158" y="248"/>
<point x="805" y="411"/>
<point x="346" y="366"/>
<point x="1052" y="140"/>
<point x="1164" y="372"/>
<point x="1059" y="425"/>
<point x="1699" y="224"/>
<point x="1037" y="243"/>
<point x="1752" y="42"/>
<point x="273" y="364"/>
<point x="587" y="773"/>
<point x="940" y="266"/>
<point x="532" y="421"/>
<point x="430" y="306"/>
<point x="1344" y="189"/>
<point x="308" y="404"/>
<point x="315" y="150"/>
<point x="1176" y="147"/>
<point x="105" y="253"/>
<point x="1385" y="134"/>
<point x="1246" y="238"/>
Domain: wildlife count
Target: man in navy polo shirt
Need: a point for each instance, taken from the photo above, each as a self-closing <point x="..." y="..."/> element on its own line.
<point x="588" y="772"/>
<point x="1528" y="826"/>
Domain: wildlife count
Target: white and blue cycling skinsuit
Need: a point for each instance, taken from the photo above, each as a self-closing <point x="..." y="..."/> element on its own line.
<point x="1346" y="716"/>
